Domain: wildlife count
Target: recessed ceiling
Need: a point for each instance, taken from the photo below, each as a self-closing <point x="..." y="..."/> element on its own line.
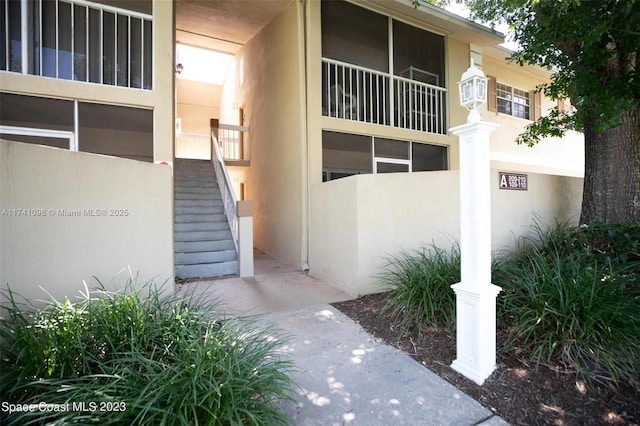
<point x="223" y="25"/>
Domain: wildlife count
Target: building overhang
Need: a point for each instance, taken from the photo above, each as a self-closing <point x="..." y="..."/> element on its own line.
<point x="437" y="19"/>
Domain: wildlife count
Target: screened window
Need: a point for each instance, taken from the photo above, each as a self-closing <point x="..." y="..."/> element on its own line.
<point x="106" y="42"/>
<point x="513" y="101"/>
<point x="355" y="35"/>
<point x="345" y="154"/>
<point x="379" y="70"/>
<point x="102" y="129"/>
<point x="418" y="54"/>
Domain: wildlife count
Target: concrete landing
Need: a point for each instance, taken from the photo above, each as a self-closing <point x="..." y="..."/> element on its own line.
<point x="275" y="287"/>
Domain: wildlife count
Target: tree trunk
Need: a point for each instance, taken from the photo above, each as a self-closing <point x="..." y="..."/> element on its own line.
<point x="612" y="171"/>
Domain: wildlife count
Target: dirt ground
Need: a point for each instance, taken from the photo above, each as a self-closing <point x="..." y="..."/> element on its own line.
<point x="517" y="392"/>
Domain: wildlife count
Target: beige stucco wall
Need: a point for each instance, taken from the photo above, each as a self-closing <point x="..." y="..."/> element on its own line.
<point x="198" y="102"/>
<point x="361" y="219"/>
<point x="268" y="86"/>
<point x="46" y="248"/>
<point x="160" y="99"/>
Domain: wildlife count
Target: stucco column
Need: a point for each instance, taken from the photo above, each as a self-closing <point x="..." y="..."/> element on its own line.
<point x="244" y="210"/>
<point x="475" y="295"/>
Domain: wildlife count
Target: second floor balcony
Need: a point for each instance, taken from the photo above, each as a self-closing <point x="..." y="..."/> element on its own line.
<point x="378" y="69"/>
<point x="412" y="100"/>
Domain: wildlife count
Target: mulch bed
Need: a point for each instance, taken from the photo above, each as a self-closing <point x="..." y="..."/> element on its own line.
<point x="516" y="391"/>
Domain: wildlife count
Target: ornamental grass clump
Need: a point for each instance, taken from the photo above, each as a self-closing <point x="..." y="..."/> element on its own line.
<point x="420" y="287"/>
<point x="571" y="298"/>
<point x="139" y="356"/>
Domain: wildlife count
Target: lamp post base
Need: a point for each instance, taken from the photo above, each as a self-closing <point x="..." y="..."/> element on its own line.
<point x="475" y="330"/>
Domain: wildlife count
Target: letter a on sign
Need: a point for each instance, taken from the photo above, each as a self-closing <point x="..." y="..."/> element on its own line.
<point x="503" y="181"/>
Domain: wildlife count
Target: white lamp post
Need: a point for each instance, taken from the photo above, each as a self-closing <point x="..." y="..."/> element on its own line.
<point x="475" y="295"/>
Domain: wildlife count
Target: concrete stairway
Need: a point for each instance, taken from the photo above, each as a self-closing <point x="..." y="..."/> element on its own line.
<point x="203" y="242"/>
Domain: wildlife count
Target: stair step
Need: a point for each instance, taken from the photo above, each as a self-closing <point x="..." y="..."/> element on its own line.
<point x="197" y="210"/>
<point x="201" y="226"/>
<point x="202" y="236"/>
<point x="198" y="203"/>
<point x="199" y="214"/>
<point x="203" y="241"/>
<point x="199" y="246"/>
<point x="207" y="270"/>
<point x="203" y="196"/>
<point x="205" y="257"/>
<point x="188" y="184"/>
<point x="197" y="190"/>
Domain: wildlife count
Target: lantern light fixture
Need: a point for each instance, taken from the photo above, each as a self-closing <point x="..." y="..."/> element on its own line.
<point x="473" y="91"/>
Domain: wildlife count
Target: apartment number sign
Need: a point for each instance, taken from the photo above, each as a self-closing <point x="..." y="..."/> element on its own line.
<point x="514" y="181"/>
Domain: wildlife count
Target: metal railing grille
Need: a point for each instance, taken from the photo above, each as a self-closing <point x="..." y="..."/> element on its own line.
<point x="77" y="40"/>
<point x="226" y="188"/>
<point x="355" y="93"/>
<point x="231" y="138"/>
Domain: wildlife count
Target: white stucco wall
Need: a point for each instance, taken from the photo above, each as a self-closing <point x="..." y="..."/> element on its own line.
<point x="359" y="220"/>
<point x="43" y="247"/>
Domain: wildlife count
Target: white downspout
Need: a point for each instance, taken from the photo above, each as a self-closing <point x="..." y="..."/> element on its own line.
<point x="302" y="17"/>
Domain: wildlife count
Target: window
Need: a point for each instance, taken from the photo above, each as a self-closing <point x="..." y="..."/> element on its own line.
<point x="102" y="129"/>
<point x="513" y="101"/>
<point x="346" y="155"/>
<point x="98" y="41"/>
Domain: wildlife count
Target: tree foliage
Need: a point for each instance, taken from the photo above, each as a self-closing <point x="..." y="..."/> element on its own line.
<point x="591" y="46"/>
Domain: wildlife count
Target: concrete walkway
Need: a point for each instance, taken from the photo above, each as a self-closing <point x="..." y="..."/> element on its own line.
<point x="346" y="377"/>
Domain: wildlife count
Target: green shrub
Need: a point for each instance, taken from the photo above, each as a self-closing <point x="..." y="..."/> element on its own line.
<point x="420" y="287"/>
<point x="146" y="357"/>
<point x="571" y="298"/>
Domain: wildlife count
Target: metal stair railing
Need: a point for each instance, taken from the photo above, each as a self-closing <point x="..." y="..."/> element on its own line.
<point x="224" y="183"/>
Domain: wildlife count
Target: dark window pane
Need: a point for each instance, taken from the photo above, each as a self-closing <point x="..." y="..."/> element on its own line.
<point x="33" y="38"/>
<point x="118" y="131"/>
<point x="355" y="35"/>
<point x="65" y="59"/>
<point x="148" y="50"/>
<point x="37" y="140"/>
<point x="80" y="43"/>
<point x="94" y="46"/>
<point x="109" y="48"/>
<point x="390" y="148"/>
<point x="418" y="54"/>
<point x="34" y="112"/>
<point x="345" y="153"/>
<point x="122" y="69"/>
<point x="428" y="157"/>
<point x="504" y="106"/>
<point x="382" y="167"/>
<point x="49" y="56"/>
<point x="3" y="38"/>
<point x="136" y="53"/>
<point x="15" y="36"/>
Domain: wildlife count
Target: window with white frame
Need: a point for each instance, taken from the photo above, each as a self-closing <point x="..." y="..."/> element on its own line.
<point x="347" y="154"/>
<point x="513" y="101"/>
<point x="117" y="131"/>
<point x="90" y="41"/>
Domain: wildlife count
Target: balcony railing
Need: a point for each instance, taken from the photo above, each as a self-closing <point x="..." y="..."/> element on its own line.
<point x="77" y="40"/>
<point x="231" y="140"/>
<point x="355" y="93"/>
